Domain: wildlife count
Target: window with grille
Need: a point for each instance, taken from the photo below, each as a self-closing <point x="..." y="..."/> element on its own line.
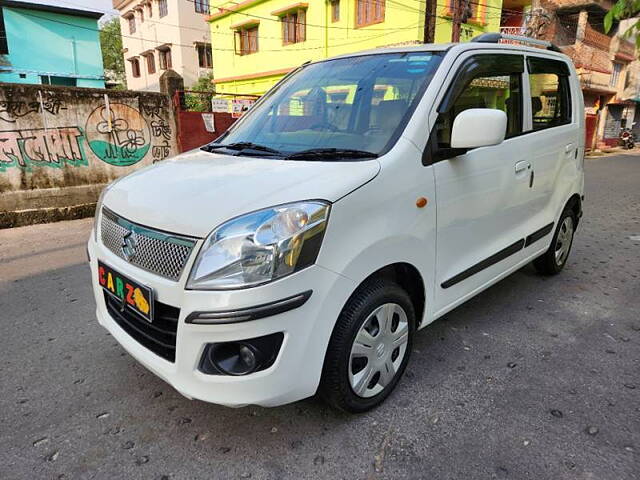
<point x="369" y="12"/>
<point x="202" y="6"/>
<point x="165" y="58"/>
<point x="247" y="40"/>
<point x="335" y="10"/>
<point x="163" y="8"/>
<point x="151" y="63"/>
<point x="131" y="20"/>
<point x="615" y="74"/>
<point x="294" y="27"/>
<point x="205" y="59"/>
<point x="135" y="67"/>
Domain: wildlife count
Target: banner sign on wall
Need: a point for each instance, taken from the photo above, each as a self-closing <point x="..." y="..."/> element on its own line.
<point x="220" y="105"/>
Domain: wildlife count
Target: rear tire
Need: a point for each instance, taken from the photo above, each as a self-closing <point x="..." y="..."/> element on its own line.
<point x="369" y="347"/>
<point x="555" y="258"/>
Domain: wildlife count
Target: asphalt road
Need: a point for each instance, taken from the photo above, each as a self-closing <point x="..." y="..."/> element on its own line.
<point x="536" y="378"/>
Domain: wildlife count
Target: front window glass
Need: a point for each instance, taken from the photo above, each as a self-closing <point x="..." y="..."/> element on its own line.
<point x="357" y="103"/>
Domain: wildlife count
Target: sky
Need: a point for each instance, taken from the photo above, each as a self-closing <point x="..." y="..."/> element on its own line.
<point x="97" y="5"/>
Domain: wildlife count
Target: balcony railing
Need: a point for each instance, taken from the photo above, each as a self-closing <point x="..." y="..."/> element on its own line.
<point x="626" y="48"/>
<point x="596" y="39"/>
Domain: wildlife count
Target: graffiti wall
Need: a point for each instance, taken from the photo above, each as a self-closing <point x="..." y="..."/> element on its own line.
<point x="76" y="140"/>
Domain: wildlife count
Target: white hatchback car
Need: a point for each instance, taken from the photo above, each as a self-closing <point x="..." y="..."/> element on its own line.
<point x="359" y="200"/>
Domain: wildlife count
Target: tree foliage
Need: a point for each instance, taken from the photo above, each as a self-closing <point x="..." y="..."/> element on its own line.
<point x="201" y="102"/>
<point x="622" y="10"/>
<point x="111" y="44"/>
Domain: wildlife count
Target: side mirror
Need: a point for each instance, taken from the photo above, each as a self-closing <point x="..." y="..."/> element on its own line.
<point x="478" y="127"/>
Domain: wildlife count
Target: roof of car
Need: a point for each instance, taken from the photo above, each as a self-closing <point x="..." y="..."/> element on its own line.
<point x="440" y="47"/>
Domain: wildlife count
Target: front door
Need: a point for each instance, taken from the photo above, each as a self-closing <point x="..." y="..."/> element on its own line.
<point x="483" y="196"/>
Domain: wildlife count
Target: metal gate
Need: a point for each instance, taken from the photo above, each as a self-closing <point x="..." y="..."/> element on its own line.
<point x="203" y="116"/>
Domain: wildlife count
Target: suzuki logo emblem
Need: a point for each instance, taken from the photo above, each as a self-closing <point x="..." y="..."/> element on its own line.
<point x="129" y="245"/>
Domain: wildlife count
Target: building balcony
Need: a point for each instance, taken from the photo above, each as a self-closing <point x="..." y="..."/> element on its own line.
<point x="577" y="4"/>
<point x="596" y="39"/>
<point x="626" y="50"/>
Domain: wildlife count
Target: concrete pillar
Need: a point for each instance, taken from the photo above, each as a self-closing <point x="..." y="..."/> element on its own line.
<point x="582" y="25"/>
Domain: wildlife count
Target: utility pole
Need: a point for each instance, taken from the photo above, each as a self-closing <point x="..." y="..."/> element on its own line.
<point x="430" y="10"/>
<point x="461" y="13"/>
<point x="455" y="28"/>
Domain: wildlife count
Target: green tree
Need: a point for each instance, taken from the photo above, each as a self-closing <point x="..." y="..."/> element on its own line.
<point x="622" y="10"/>
<point x="201" y="102"/>
<point x="111" y="44"/>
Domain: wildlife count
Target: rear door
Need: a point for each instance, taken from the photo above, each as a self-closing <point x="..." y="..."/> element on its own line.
<point x="557" y="143"/>
<point x="483" y="196"/>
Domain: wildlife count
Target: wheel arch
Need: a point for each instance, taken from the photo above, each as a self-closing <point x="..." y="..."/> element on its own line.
<point x="575" y="203"/>
<point x="409" y="278"/>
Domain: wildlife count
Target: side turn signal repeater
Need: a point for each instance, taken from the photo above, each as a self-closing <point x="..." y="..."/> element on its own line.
<point x="421" y="202"/>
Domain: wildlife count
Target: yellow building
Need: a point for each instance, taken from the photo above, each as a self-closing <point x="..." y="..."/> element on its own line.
<point x="256" y="42"/>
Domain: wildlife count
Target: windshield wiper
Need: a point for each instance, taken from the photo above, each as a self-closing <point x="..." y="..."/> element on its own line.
<point x="322" y="153"/>
<point x="241" y="146"/>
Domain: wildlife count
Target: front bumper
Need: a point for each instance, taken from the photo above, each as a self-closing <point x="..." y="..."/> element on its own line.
<point x="307" y="329"/>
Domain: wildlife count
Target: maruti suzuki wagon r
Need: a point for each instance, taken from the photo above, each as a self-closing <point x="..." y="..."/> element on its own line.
<point x="360" y="199"/>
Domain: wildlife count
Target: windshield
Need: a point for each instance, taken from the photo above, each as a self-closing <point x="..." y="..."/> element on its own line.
<point x="359" y="104"/>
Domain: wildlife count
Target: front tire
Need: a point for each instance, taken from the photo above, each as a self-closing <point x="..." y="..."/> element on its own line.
<point x="369" y="347"/>
<point x="553" y="260"/>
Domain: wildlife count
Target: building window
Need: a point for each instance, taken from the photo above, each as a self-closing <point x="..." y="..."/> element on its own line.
<point x="63" y="81"/>
<point x="141" y="14"/>
<point x="247" y="40"/>
<point x="615" y="74"/>
<point x="149" y="10"/>
<point x="369" y="12"/>
<point x="163" y="9"/>
<point x="135" y="67"/>
<point x="164" y="55"/>
<point x="202" y="6"/>
<point x="335" y="10"/>
<point x="294" y="27"/>
<point x="204" y="55"/>
<point x="151" y="63"/>
<point x="131" y="20"/>
<point x="4" y="46"/>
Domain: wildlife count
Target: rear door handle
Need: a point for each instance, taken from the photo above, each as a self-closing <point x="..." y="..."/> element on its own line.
<point x="522" y="166"/>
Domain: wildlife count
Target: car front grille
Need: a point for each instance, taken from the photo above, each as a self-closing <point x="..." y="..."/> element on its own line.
<point x="158" y="336"/>
<point x="164" y="254"/>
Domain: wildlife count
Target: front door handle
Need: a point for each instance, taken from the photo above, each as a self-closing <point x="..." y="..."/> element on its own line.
<point x="522" y="166"/>
<point x="569" y="148"/>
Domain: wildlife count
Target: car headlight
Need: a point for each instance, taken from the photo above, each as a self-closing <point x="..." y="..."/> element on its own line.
<point x="260" y="247"/>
